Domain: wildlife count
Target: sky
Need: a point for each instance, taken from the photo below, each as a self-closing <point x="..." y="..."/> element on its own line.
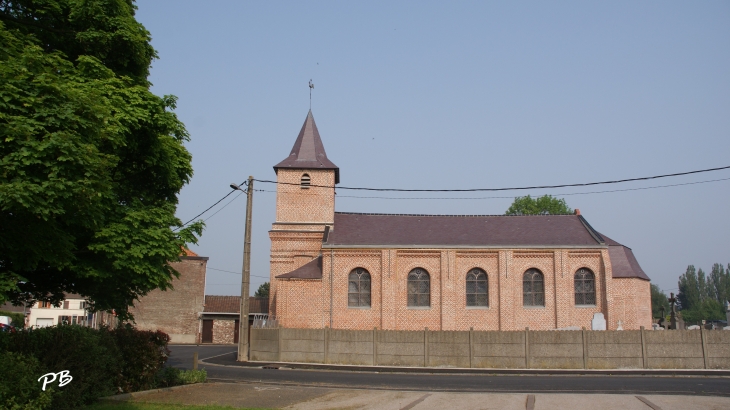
<point x="458" y="95"/>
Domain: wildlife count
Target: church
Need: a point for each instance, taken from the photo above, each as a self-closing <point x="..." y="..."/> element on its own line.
<point x="346" y="270"/>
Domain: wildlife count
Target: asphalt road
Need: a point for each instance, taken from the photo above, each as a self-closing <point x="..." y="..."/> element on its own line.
<point x="182" y="357"/>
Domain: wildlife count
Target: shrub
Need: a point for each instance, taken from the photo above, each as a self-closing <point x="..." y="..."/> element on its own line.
<point x="19" y="388"/>
<point x="167" y="377"/>
<point x="144" y="353"/>
<point x="90" y="356"/>
<point x="193" y="376"/>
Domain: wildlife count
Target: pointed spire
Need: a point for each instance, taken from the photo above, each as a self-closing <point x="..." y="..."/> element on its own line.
<point x="308" y="151"/>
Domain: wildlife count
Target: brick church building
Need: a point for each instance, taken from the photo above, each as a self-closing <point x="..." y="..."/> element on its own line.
<point x="442" y="272"/>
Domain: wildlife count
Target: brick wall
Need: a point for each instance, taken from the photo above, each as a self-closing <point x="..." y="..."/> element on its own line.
<point x="306" y="303"/>
<point x="176" y="312"/>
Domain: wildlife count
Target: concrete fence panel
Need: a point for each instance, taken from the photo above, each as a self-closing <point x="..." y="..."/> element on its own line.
<point x="614" y="350"/>
<point x="302" y="345"/>
<point x="350" y="347"/>
<point x="401" y="348"/>
<point x="265" y="345"/>
<point x="556" y="350"/>
<point x="502" y="350"/>
<point x="676" y="349"/>
<point x="448" y="349"/>
<point x="718" y="349"/>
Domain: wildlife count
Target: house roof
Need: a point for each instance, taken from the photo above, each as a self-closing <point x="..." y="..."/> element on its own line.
<point x="437" y="231"/>
<point x="232" y="304"/>
<point x="623" y="261"/>
<point x="188" y="252"/>
<point x="308" y="151"/>
<point x="310" y="270"/>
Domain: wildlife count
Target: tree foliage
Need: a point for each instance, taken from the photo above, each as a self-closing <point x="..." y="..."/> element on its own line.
<point x="544" y="205"/>
<point x="658" y="300"/>
<point x="263" y="291"/>
<point x="702" y="297"/>
<point x="91" y="161"/>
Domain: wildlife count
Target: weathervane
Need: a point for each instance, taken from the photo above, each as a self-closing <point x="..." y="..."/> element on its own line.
<point x="311" y="86"/>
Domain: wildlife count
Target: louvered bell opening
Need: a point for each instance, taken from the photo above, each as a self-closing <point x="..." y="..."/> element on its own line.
<point x="306" y="181"/>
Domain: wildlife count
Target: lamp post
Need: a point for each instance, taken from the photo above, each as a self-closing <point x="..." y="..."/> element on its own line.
<point x="246" y="277"/>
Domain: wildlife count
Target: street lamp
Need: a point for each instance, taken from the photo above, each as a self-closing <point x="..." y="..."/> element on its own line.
<point x="246" y="276"/>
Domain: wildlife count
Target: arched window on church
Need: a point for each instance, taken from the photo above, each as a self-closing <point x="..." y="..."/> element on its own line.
<point x="419" y="288"/>
<point x="533" y="288"/>
<point x="358" y="288"/>
<point x="306" y="181"/>
<point x="585" y="287"/>
<point x="477" y="288"/>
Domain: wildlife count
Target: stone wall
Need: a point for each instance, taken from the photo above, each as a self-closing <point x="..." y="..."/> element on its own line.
<point x="176" y="311"/>
<point x="223" y="331"/>
<point x="637" y="349"/>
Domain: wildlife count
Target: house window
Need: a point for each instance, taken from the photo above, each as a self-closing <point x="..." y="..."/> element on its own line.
<point x="419" y="288"/>
<point x="358" y="288"/>
<point x="585" y="287"/>
<point x="44" y="304"/>
<point x="533" y="288"/>
<point x="477" y="288"/>
<point x="306" y="181"/>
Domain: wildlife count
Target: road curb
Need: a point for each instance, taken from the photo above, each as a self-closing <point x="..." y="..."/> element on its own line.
<point x="487" y="371"/>
<point x="128" y="396"/>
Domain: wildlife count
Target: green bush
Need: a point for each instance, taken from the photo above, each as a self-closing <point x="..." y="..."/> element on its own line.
<point x="91" y="357"/>
<point x="193" y="376"/>
<point x="144" y="353"/>
<point x="167" y="377"/>
<point x="19" y="388"/>
<point x="102" y="362"/>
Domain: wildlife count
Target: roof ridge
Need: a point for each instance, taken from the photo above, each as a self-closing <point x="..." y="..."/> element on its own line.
<point x="452" y="215"/>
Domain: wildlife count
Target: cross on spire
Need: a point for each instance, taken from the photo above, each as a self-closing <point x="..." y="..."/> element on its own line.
<point x="311" y="87"/>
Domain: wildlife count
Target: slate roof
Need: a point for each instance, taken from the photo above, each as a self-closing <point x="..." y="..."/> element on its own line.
<point x="354" y="229"/>
<point x="623" y="261"/>
<point x="308" y="151"/>
<point x="310" y="270"/>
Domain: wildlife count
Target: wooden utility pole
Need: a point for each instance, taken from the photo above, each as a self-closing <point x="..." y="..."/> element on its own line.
<point x="245" y="278"/>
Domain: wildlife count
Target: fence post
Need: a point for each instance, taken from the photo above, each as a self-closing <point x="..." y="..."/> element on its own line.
<point x="471" y="346"/>
<point x="644" y="358"/>
<point x="527" y="347"/>
<point x="585" y="348"/>
<point x="195" y="361"/>
<point x="375" y="346"/>
<point x="326" y="344"/>
<point x="278" y="351"/>
<point x="425" y="348"/>
<point x="703" y="337"/>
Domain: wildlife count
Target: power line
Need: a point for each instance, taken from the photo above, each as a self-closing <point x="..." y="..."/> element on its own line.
<point x="210" y="207"/>
<point x="511" y="197"/>
<point x="507" y="189"/>
<point x="237" y="273"/>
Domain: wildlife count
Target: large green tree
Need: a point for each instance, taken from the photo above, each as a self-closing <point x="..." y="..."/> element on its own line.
<point x="659" y="300"/>
<point x="544" y="205"/>
<point x="91" y="161"/>
<point x="700" y="296"/>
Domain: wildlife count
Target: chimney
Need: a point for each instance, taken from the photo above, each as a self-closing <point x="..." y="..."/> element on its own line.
<point x="577" y="211"/>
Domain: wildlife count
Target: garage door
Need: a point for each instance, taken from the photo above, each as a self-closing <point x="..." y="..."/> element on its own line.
<point x="41" y="322"/>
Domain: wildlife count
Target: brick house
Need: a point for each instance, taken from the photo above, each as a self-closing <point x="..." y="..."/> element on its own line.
<point x="176" y="311"/>
<point x="221" y="314"/>
<point x="443" y="272"/>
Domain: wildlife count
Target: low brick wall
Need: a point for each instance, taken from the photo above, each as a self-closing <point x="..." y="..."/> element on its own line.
<point x="581" y="349"/>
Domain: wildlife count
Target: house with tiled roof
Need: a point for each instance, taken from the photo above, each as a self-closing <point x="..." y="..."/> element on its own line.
<point x="442" y="272"/>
